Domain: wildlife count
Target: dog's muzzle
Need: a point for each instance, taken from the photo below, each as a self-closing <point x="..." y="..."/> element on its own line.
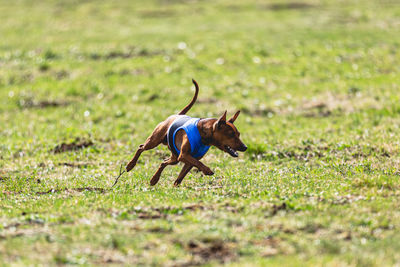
<point x="243" y="148"/>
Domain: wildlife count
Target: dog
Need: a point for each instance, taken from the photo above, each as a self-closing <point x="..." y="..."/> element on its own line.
<point x="189" y="139"/>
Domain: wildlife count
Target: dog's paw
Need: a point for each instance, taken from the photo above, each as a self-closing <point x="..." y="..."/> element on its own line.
<point x="154" y="180"/>
<point x="208" y="171"/>
<point x="130" y="166"/>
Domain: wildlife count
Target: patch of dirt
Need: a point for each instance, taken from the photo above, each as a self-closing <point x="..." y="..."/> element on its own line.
<point x="319" y="150"/>
<point x="269" y="252"/>
<point x="30" y="103"/>
<point x="270" y="246"/>
<point x="11" y="193"/>
<point x="74" y="164"/>
<point x="259" y="111"/>
<point x="118" y="54"/>
<point x="163" y="212"/>
<point x="157" y="13"/>
<point x="325" y="105"/>
<point x="17" y="234"/>
<point x="290" y="6"/>
<point x="277" y="208"/>
<point x="22" y="78"/>
<point x="311" y="228"/>
<point x="344" y="235"/>
<point x="152" y="97"/>
<point x="194" y="207"/>
<point x="76" y="145"/>
<point x="109" y="257"/>
<point x="30" y="221"/>
<point x="61" y="74"/>
<point x="13" y="233"/>
<point x="317" y="109"/>
<point x="330" y="104"/>
<point x="127" y="72"/>
<point x="159" y="230"/>
<point x="79" y="189"/>
<point x="340" y="200"/>
<point x="174" y="2"/>
<point x="145" y="215"/>
<point x="130" y="52"/>
<point x="210" y="249"/>
<point x="298" y="153"/>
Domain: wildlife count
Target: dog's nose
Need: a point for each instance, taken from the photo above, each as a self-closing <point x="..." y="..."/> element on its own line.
<point x="243" y="148"/>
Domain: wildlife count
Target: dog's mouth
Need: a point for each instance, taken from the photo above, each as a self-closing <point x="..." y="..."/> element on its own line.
<point x="231" y="151"/>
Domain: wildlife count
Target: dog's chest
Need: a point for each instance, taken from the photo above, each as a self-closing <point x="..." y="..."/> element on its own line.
<point x="189" y="125"/>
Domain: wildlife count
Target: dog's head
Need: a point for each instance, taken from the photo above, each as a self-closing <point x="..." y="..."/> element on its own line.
<point x="226" y="137"/>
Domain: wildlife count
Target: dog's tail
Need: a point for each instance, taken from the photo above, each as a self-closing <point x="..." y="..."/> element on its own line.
<point x="188" y="107"/>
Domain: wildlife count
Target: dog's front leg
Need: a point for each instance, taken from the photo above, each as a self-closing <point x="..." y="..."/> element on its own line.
<point x="185" y="157"/>
<point x="188" y="159"/>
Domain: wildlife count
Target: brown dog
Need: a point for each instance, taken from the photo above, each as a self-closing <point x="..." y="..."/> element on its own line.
<point x="189" y="139"/>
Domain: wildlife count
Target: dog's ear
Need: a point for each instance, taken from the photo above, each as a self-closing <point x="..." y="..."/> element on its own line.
<point x="220" y="121"/>
<point x="234" y="117"/>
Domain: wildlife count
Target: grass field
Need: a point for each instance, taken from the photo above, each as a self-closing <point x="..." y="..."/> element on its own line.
<point x="318" y="85"/>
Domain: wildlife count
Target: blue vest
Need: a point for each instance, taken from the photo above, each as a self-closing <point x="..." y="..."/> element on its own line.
<point x="189" y="125"/>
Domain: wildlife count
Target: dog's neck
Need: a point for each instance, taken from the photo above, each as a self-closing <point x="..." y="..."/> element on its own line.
<point x="205" y="127"/>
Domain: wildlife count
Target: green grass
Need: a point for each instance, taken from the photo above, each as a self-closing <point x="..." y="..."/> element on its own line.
<point x="318" y="87"/>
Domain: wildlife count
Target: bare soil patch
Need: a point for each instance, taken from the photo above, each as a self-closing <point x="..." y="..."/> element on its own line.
<point x="330" y="104"/>
<point x="23" y="232"/>
<point x="260" y="111"/>
<point x="157" y="13"/>
<point x="163" y="212"/>
<point x="74" y="164"/>
<point x="79" y="189"/>
<point x="76" y="145"/>
<point x="31" y="103"/>
<point x="277" y="208"/>
<point x="270" y="246"/>
<point x="208" y="249"/>
<point x="130" y="52"/>
<point x="290" y="6"/>
<point x="308" y="151"/>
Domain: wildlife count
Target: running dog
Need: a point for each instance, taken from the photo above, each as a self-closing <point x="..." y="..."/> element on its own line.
<point x="189" y="140"/>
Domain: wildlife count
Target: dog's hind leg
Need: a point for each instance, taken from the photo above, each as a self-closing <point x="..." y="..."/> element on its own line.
<point x="156" y="138"/>
<point x="149" y="144"/>
<point x="185" y="170"/>
<point x="170" y="161"/>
